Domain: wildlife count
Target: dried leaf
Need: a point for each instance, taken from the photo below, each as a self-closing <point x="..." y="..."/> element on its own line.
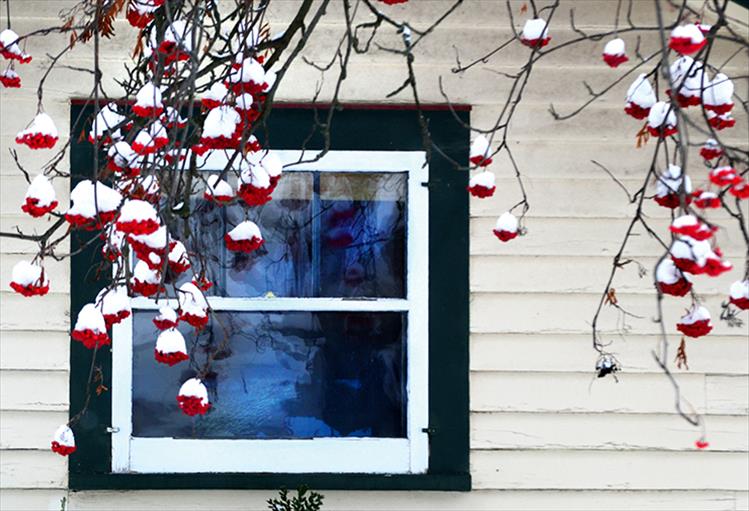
<point x="642" y="136"/>
<point x="681" y="356"/>
<point x="611" y="297"/>
<point x="138" y="50"/>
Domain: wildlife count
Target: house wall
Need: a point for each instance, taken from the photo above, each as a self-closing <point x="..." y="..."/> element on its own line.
<point x="544" y="434"/>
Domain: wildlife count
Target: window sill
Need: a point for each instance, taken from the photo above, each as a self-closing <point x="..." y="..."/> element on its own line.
<point x="234" y="481"/>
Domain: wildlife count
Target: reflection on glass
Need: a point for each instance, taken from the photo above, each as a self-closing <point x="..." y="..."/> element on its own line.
<point x="279" y="375"/>
<point x="326" y="235"/>
<point x="282" y="265"/>
<point x="362" y="235"/>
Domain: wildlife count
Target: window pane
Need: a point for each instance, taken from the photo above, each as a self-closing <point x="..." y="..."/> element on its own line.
<point x="283" y="264"/>
<point x="279" y="375"/>
<point x="363" y="234"/>
<point x="326" y="235"/>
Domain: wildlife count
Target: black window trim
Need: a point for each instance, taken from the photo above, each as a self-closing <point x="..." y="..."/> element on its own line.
<point x="355" y="127"/>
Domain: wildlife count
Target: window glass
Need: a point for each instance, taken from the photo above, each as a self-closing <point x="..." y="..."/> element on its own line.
<point x="278" y="375"/>
<point x="326" y="235"/>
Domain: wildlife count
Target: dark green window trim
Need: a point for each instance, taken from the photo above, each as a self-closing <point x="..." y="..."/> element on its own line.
<point x="354" y="128"/>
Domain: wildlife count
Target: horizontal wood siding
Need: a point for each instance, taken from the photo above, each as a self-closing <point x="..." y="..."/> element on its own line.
<point x="544" y="433"/>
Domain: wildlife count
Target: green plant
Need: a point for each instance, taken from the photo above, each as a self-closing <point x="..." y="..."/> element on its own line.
<point x="305" y="500"/>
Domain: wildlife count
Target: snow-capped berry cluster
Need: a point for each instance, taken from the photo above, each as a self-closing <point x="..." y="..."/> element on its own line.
<point x="696" y="322"/>
<point x="245" y="237"/>
<point x="535" y="33"/>
<point x="63" y="441"/>
<point x="94" y="205"/>
<point x="40" y="197"/>
<point x="670" y="280"/>
<point x="29" y="279"/>
<point x="687" y="39"/>
<point x="739" y="294"/>
<point x="9" y="48"/>
<point x="614" y="53"/>
<point x="193" y="307"/>
<point x="90" y="327"/>
<point x="193" y="398"/>
<point x="668" y="186"/>
<point x="114" y="305"/>
<point x="662" y="120"/>
<point x="640" y="98"/>
<point x="170" y="347"/>
<point x="482" y="184"/>
<point x="507" y="227"/>
<point x="10" y="79"/>
<point x="166" y="318"/>
<point x="218" y="190"/>
<point x="41" y="133"/>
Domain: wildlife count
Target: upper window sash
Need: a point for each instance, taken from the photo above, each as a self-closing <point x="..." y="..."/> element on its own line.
<point x="321" y="455"/>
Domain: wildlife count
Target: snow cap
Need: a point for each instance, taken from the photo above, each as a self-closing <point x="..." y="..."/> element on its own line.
<point x="507" y="222"/>
<point x="740" y="290"/>
<point x="90" y="318"/>
<point x="641" y="92"/>
<point x="26" y="274"/>
<point x="483" y="179"/>
<point x="221" y="122"/>
<point x="246" y="230"/>
<point x="41" y="190"/>
<point x="614" y="47"/>
<point x="171" y="341"/>
<point x="535" y="28"/>
<point x="661" y="113"/>
<point x="194" y="388"/>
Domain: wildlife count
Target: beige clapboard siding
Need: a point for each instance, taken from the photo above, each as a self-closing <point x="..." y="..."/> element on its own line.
<point x="34" y="390"/>
<point x="515" y="273"/>
<point x="582" y="393"/>
<point x="575" y="237"/>
<point x="481" y="500"/>
<point x="742" y="501"/>
<point x="37" y="350"/>
<point x="26" y="225"/>
<point x="15" y="310"/>
<point x="728" y="393"/>
<point x="32" y="500"/>
<point x="572" y="313"/>
<point x="33" y="469"/>
<point x="29" y="430"/>
<point x="607" y="431"/>
<point x="722" y="355"/>
<point x="583" y="198"/>
<point x="643" y="470"/>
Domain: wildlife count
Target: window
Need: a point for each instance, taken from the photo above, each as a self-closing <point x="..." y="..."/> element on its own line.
<point x="340" y="348"/>
<point x="318" y="344"/>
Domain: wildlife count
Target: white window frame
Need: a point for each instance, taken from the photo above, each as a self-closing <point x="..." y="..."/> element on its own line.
<point x="408" y="455"/>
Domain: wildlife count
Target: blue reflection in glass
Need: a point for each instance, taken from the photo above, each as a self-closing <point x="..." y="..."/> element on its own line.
<point x="279" y="375"/>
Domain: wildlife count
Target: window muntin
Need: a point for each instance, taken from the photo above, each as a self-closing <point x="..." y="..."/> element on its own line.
<point x="368" y="190"/>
